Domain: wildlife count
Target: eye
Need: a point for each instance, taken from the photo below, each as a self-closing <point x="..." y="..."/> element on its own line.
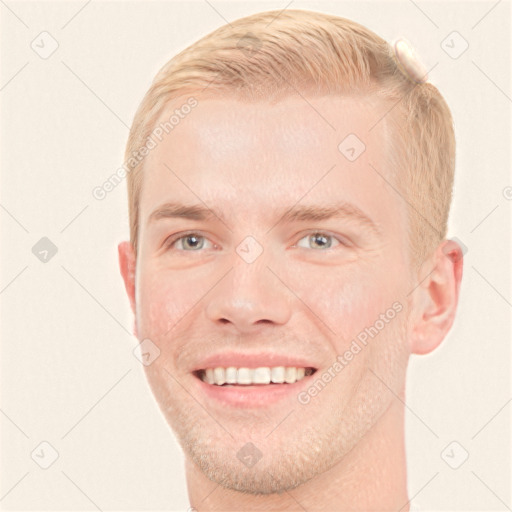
<point x="188" y="242"/>
<point x="194" y="242"/>
<point x="319" y="240"/>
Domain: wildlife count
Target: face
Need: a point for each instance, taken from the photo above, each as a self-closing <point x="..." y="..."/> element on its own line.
<point x="298" y="254"/>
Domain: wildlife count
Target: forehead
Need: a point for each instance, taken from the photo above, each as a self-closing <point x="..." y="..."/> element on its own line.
<point x="244" y="158"/>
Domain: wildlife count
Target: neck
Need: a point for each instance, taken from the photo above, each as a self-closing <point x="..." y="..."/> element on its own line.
<point x="371" y="477"/>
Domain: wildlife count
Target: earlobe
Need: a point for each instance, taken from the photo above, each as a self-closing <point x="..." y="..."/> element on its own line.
<point x="435" y="301"/>
<point x="127" y="266"/>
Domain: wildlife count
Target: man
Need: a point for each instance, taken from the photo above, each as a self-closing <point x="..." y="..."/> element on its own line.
<point x="289" y="186"/>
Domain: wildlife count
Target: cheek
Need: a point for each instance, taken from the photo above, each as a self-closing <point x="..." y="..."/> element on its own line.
<point x="347" y="300"/>
<point x="163" y="301"/>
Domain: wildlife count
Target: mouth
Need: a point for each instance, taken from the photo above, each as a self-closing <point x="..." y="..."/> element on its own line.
<point x="244" y="387"/>
<point x="262" y="376"/>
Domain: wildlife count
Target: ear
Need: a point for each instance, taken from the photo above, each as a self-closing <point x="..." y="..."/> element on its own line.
<point x="127" y="265"/>
<point x="435" y="299"/>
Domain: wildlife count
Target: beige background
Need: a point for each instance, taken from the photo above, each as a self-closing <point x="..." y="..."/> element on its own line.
<point x="68" y="375"/>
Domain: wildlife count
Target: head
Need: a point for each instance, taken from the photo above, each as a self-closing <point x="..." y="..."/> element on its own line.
<point x="297" y="247"/>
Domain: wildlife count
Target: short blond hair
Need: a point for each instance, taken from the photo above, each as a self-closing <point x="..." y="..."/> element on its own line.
<point x="270" y="55"/>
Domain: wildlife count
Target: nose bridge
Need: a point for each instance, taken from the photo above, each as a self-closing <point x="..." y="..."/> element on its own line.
<point x="250" y="294"/>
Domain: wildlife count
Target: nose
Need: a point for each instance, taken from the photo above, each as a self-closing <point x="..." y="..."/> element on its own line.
<point x="249" y="296"/>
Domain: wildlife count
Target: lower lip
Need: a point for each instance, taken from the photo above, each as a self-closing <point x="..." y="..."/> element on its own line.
<point x="259" y="395"/>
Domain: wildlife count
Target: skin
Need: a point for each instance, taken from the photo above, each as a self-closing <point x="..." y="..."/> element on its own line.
<point x="344" y="450"/>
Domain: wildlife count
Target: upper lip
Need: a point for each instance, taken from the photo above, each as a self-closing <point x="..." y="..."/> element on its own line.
<point x="257" y="360"/>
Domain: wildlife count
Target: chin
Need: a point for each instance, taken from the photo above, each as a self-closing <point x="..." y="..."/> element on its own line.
<point x="265" y="477"/>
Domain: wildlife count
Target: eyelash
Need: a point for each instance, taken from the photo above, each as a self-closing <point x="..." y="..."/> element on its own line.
<point x="181" y="236"/>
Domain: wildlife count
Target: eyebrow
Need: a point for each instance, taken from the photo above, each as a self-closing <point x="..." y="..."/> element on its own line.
<point x="301" y="213"/>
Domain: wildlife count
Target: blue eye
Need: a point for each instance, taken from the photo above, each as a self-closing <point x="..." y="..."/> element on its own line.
<point x="321" y="240"/>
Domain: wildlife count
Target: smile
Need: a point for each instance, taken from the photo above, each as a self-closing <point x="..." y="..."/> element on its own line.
<point x="254" y="388"/>
<point x="232" y="376"/>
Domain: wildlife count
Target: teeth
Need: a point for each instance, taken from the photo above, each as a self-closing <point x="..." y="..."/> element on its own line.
<point x="231" y="375"/>
<point x="290" y="375"/>
<point x="244" y="376"/>
<point x="261" y="376"/>
<point x="247" y="376"/>
<point x="219" y="376"/>
<point x="278" y="374"/>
